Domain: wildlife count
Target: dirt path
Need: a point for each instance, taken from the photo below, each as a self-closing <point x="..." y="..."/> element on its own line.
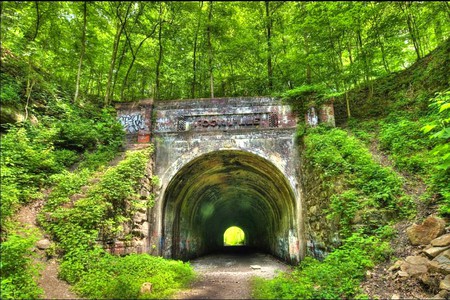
<point x="54" y="288"/>
<point x="228" y="276"/>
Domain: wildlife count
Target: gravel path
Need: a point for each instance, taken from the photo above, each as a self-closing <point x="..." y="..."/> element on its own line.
<point x="228" y="275"/>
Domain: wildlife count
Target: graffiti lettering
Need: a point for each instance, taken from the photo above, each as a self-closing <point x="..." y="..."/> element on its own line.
<point x="132" y="123"/>
<point x="228" y="122"/>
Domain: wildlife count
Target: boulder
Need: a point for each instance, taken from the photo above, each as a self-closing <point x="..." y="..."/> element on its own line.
<point x="434" y="251"/>
<point x="414" y="270"/>
<point x="146" y="288"/>
<point x="396" y="266"/>
<point x="442" y="241"/>
<point x="441" y="263"/>
<point x="417" y="260"/>
<point x="424" y="233"/>
<point x="445" y="284"/>
<point x="43" y="244"/>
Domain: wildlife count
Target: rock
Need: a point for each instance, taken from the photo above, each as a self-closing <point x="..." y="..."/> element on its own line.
<point x="139" y="217"/>
<point x="414" y="270"/>
<point x="255" y="267"/>
<point x="441" y="241"/>
<point x="43" y="244"/>
<point x="431" y="280"/>
<point x="424" y="233"/>
<point x="425" y="279"/>
<point x="402" y="274"/>
<point x="146" y="288"/>
<point x="395" y="297"/>
<point x="441" y="263"/>
<point x="445" y="284"/>
<point x="443" y="294"/>
<point x="417" y="260"/>
<point x="434" y="251"/>
<point x="396" y="266"/>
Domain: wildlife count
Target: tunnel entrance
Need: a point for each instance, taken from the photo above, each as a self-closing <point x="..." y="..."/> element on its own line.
<point x="229" y="188"/>
<point x="234" y="236"/>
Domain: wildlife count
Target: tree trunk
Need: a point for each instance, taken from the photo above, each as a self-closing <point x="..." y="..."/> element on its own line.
<point x="411" y="28"/>
<point x="269" y="46"/>
<point x="119" y="29"/>
<point x="134" y="54"/>
<point x="160" y="54"/>
<point x="210" y="51"/>
<point x="194" y="56"/>
<point x="83" y="47"/>
<point x="38" y="21"/>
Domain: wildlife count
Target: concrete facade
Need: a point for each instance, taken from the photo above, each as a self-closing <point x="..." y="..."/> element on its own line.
<point x="222" y="162"/>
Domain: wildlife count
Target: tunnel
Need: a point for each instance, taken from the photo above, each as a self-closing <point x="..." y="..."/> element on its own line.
<point x="228" y="188"/>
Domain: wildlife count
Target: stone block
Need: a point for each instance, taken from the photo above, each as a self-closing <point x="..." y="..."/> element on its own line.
<point x="441" y="263"/>
<point x="441" y="241"/>
<point x="424" y="233"/>
<point x="432" y="252"/>
<point x="414" y="270"/>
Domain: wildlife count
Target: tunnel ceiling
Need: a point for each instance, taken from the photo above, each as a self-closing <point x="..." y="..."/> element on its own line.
<point x="222" y="189"/>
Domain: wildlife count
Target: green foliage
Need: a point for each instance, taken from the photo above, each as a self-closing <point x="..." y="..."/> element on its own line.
<point x="439" y="131"/>
<point x="110" y="199"/>
<point x="18" y="269"/>
<point x="405" y="143"/>
<point x="115" y="277"/>
<point x="108" y="203"/>
<point x="337" y="277"/>
<point x="416" y="143"/>
<point x="304" y="97"/>
<point x="309" y="43"/>
<point x="11" y="89"/>
<point x="366" y="184"/>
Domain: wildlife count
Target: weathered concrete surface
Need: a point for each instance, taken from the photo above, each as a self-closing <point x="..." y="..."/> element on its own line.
<point x="225" y="162"/>
<point x="136" y="119"/>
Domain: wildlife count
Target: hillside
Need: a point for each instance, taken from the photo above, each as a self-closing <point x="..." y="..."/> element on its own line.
<point x="408" y="90"/>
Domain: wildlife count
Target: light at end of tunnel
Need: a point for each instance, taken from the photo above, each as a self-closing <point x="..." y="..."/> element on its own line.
<point x="234" y="236"/>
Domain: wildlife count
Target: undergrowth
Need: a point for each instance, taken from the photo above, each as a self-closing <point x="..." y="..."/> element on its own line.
<point x="336" y="277"/>
<point x="417" y="144"/>
<point x="97" y="216"/>
<point x="364" y="205"/>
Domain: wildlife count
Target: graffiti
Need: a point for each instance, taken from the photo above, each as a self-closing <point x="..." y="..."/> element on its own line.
<point x="311" y="117"/>
<point x="223" y="122"/>
<point x="132" y="123"/>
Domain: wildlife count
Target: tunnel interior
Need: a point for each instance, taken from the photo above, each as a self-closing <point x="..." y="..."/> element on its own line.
<point x="229" y="188"/>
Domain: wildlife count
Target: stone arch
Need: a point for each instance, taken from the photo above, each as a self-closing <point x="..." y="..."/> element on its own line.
<point x="226" y="187"/>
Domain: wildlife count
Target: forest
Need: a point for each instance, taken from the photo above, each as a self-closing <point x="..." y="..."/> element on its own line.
<point x="65" y="64"/>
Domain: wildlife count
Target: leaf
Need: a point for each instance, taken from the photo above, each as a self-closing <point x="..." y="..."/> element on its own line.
<point x="428" y="128"/>
<point x="444" y="107"/>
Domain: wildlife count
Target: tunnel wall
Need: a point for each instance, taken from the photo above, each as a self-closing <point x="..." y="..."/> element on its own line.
<point x="184" y="131"/>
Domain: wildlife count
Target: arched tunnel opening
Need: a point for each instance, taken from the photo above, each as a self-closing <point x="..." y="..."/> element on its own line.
<point x="230" y="188"/>
<point x="234" y="236"/>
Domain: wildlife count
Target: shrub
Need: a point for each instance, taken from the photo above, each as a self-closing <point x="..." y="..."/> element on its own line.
<point x="337" y="277"/>
<point x="18" y="269"/>
<point x="121" y="277"/>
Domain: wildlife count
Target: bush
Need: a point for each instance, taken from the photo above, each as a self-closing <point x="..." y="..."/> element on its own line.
<point x="122" y="277"/>
<point x="337" y="277"/>
<point x="439" y="131"/>
<point x="18" y="269"/>
<point x="366" y="184"/>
